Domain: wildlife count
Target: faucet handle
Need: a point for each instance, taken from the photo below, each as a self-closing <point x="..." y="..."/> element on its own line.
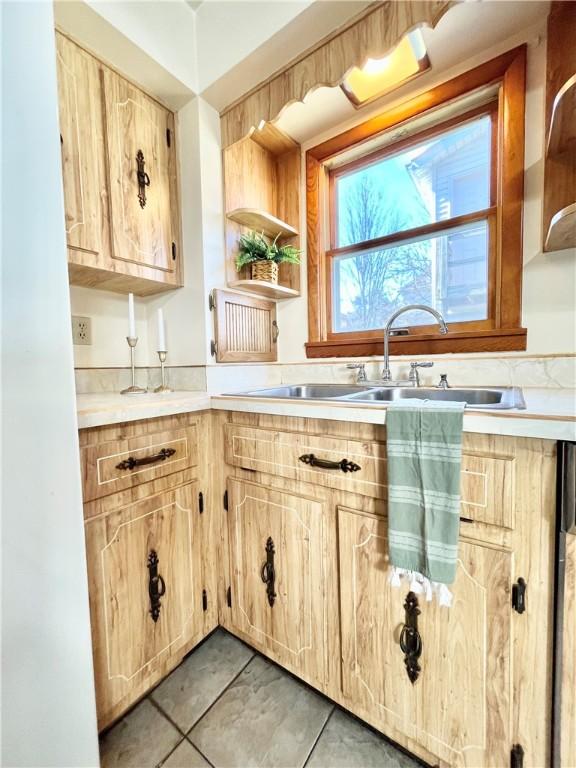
<point x="424" y="364"/>
<point x="361" y="368"/>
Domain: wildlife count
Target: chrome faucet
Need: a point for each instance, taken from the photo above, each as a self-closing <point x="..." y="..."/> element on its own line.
<point x="386" y="375"/>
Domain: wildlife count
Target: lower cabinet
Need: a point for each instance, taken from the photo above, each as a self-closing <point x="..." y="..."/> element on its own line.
<point x="146" y="601"/>
<point x="277" y="555"/>
<point x="458" y="704"/>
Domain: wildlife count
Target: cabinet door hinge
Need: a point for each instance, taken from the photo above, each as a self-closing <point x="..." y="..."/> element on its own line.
<point x="226" y="500"/>
<point x="173" y="251"/>
<point x="229" y="597"/>
<point x="201" y="502"/>
<point x="204" y="600"/>
<point x="168" y="137"/>
<point x="516" y="756"/>
<point x="211" y="302"/>
<point x="519" y="596"/>
<point x="213" y="348"/>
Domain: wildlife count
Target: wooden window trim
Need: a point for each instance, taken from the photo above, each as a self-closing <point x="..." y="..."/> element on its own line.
<point x="503" y="332"/>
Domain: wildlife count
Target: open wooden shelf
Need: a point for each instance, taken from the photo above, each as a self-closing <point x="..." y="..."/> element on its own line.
<point x="562" y="230"/>
<point x="563" y="120"/>
<point x="262" y="288"/>
<point x="261" y="221"/>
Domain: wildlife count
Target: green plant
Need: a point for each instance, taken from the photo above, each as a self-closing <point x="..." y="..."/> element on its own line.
<point x="254" y="247"/>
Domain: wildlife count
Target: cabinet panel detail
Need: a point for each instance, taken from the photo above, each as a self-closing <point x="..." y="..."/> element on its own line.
<point x="291" y="626"/>
<point x="132" y="635"/>
<point x="112" y="466"/>
<point x="487" y="481"/>
<point x="459" y="707"/>
<point x="81" y="139"/>
<point x="136" y="129"/>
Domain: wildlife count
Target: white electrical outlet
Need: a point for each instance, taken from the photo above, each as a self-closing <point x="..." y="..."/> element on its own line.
<point x="81" y="330"/>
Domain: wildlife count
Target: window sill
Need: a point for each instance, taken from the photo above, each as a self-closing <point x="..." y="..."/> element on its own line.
<point x="500" y="340"/>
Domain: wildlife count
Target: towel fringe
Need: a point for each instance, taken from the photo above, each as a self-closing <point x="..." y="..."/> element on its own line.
<point x="421" y="585"/>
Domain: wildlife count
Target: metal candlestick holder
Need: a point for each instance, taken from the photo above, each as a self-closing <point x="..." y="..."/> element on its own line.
<point x="132" y="390"/>
<point x="163" y="387"/>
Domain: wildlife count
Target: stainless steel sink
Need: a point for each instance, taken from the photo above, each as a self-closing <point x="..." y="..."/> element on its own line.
<point x="496" y="397"/>
<point x="308" y="391"/>
<point x="499" y="398"/>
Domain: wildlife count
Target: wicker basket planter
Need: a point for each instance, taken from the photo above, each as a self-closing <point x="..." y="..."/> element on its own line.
<point x="265" y="270"/>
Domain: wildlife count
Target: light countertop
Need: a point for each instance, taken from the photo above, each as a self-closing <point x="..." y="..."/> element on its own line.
<point x="550" y="413"/>
<point x="114" y="408"/>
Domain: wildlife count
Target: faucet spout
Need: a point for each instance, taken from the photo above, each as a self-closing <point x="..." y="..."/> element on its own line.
<point x="386" y="374"/>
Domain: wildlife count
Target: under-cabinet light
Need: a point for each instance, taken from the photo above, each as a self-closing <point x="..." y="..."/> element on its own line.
<point x="379" y="76"/>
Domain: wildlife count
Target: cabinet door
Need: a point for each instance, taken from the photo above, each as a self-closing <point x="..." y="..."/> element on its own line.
<point x="464" y="697"/>
<point x="130" y="648"/>
<point x="143" y="216"/>
<point x="373" y="674"/>
<point x="290" y="626"/>
<point x="82" y="142"/>
<point x="459" y="707"/>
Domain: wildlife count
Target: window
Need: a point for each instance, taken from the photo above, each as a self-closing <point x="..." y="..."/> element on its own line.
<point x="431" y="219"/>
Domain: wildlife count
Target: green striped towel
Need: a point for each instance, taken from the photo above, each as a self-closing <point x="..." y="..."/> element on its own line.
<point x="424" y="449"/>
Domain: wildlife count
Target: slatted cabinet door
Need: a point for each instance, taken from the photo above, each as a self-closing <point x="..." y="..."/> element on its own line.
<point x="129" y="647"/>
<point x="292" y="629"/>
<point x="144" y="219"/>
<point x="82" y="139"/>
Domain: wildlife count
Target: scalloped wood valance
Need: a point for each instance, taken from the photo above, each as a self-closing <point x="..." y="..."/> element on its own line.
<point x="372" y="35"/>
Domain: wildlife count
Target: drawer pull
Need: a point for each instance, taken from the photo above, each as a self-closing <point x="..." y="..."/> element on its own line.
<point x="344" y="465"/>
<point x="156" y="586"/>
<point x="131" y="462"/>
<point x="268" y="573"/>
<point x="410" y="640"/>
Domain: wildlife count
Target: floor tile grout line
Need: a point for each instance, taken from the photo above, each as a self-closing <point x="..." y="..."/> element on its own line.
<point x="161" y="762"/>
<point x="217" y="699"/>
<point x="315" y="744"/>
<point x="199" y="751"/>
<point x="161" y="711"/>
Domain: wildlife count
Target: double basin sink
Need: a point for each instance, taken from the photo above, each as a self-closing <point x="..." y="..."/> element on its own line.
<point x="500" y="398"/>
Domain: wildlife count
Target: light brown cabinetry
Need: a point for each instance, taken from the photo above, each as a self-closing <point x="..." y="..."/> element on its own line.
<point x="122" y="235"/>
<point x="485" y="665"/>
<point x="277" y="556"/>
<point x="150" y="553"/>
<point x="131" y="648"/>
<point x="459" y="706"/>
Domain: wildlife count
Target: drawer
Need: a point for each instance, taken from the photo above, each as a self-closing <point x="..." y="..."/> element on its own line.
<point x="487" y="489"/>
<point x="278" y="453"/>
<point x="115" y="465"/>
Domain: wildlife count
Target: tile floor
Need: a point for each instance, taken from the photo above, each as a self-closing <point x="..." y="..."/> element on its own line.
<point x="228" y="707"/>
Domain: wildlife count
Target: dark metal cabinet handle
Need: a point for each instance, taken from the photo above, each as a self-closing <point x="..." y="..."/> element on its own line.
<point x="131" y="462"/>
<point x="344" y="465"/>
<point x="410" y="639"/>
<point x="143" y="178"/>
<point x="156" y="586"/>
<point x="268" y="573"/>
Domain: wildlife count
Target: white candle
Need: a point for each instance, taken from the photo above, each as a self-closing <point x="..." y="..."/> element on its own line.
<point x="161" y="334"/>
<point x="131" y="321"/>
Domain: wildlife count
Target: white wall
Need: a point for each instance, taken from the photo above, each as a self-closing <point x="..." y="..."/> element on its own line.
<point x="48" y="705"/>
<point x="165" y="30"/>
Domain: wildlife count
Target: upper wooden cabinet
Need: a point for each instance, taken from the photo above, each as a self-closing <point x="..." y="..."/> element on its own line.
<point x="120" y="181"/>
<point x="560" y="162"/>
